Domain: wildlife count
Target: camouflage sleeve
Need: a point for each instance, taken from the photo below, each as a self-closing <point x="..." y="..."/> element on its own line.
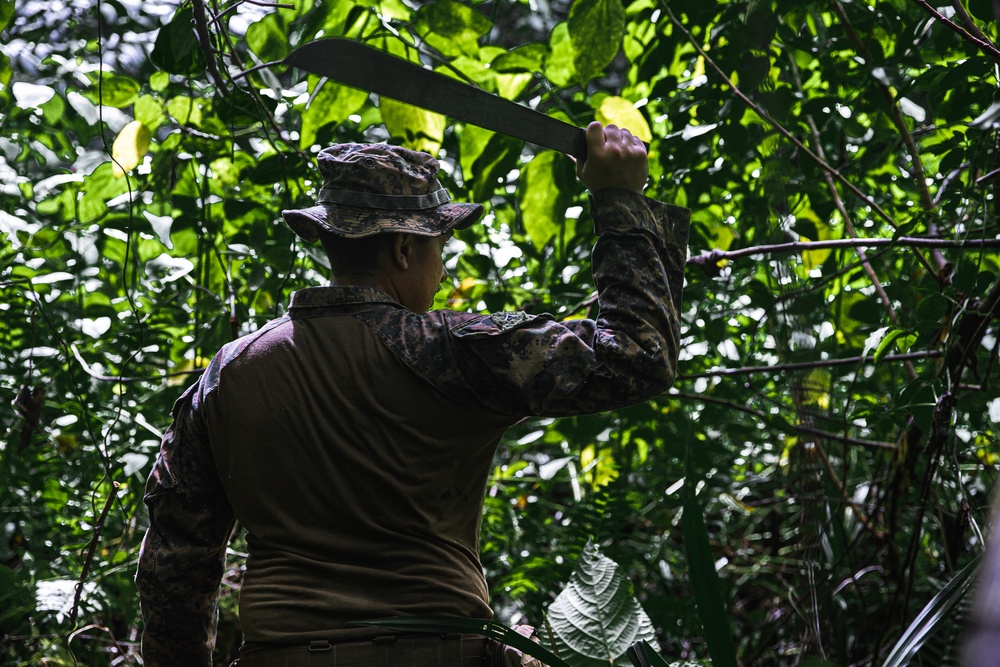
<point x="183" y="554"/>
<point x="627" y="355"/>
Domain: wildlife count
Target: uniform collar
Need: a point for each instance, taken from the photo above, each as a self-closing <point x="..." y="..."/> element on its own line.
<point x="338" y="296"/>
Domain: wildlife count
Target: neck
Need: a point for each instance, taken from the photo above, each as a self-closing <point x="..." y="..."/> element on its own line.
<point x="379" y="282"/>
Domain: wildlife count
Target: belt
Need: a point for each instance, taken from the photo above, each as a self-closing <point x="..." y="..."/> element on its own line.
<point x="440" y="651"/>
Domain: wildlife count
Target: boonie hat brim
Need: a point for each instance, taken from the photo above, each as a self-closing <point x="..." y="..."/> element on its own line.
<point x="351" y="222"/>
<point x="376" y="188"/>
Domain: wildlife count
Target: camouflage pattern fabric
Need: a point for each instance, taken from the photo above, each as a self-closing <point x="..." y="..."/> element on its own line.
<point x="508" y="364"/>
<point x="377" y="188"/>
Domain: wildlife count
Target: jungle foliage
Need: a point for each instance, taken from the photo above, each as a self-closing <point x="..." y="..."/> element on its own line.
<point x="821" y="469"/>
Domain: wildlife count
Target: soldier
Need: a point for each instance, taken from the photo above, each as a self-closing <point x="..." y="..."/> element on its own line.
<point x="353" y="438"/>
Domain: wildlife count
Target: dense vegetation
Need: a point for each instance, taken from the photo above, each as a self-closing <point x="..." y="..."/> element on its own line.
<point x="830" y="445"/>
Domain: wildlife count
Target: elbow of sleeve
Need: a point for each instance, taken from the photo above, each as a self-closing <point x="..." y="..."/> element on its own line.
<point x="665" y="371"/>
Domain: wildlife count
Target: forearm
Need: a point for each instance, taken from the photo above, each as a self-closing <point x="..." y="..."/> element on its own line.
<point x="183" y="554"/>
<point x="638" y="265"/>
<point x="178" y="580"/>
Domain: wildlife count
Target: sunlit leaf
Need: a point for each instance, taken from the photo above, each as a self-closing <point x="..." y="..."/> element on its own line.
<point x="331" y="105"/>
<point x="596" y="28"/>
<point x="6" y="12"/>
<point x="543" y="202"/>
<point x="525" y="58"/>
<point x="419" y="129"/>
<point x="621" y="112"/>
<point x="130" y="147"/>
<point x="559" y="64"/>
<point x="112" y="90"/>
<point x="268" y="37"/>
<point x="452" y="27"/>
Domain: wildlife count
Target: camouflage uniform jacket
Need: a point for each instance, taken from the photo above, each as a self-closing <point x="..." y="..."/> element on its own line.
<point x="353" y="440"/>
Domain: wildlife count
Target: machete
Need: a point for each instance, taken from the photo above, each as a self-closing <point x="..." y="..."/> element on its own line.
<point x="363" y="67"/>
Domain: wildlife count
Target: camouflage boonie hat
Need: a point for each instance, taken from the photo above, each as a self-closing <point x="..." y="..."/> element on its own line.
<point x="376" y="188"/>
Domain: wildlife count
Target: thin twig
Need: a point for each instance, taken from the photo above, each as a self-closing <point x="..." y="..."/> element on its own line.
<point x="205" y="42"/>
<point x="91" y="550"/>
<point x="987" y="48"/>
<point x="772" y="122"/>
<point x="716" y="255"/>
<point x="805" y="430"/>
<point x="233" y="7"/>
<point x="809" y="365"/>
<point x="848" y="222"/>
<point x="945" y="268"/>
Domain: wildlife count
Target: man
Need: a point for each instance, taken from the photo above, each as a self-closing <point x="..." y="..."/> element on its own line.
<point x="353" y="439"/>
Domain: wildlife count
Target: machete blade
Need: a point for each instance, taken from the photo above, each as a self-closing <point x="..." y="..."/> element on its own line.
<point x="369" y="69"/>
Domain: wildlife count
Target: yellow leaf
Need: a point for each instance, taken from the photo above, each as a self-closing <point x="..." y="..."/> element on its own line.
<point x="599" y="467"/>
<point x="815" y="386"/>
<point x="623" y="113"/>
<point x="130" y="147"/>
<point x="185" y="373"/>
<point x="814" y="258"/>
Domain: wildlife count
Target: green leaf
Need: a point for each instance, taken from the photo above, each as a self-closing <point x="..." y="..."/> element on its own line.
<point x="100" y="186"/>
<point x="5" y="72"/>
<point x="543" y="196"/>
<point x="884" y="347"/>
<point x="176" y="49"/>
<point x="149" y="112"/>
<point x="595" y="619"/>
<point x="596" y="28"/>
<point x="525" y="58"/>
<point x="268" y="37"/>
<point x="643" y="655"/>
<point x="159" y="81"/>
<point x="452" y="28"/>
<point x="491" y="160"/>
<point x="420" y="130"/>
<point x="6" y="12"/>
<point x="559" y="63"/>
<point x="473" y="626"/>
<point x="929" y="618"/>
<point x="705" y="582"/>
<point x="330" y="105"/>
<point x="112" y="90"/>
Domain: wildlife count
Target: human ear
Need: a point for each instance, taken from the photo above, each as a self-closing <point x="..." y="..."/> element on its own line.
<point x="402" y="250"/>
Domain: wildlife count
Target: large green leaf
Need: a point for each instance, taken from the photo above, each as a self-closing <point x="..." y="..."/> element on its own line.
<point x="268" y="37"/>
<point x="596" y="28"/>
<point x="329" y="106"/>
<point x="417" y="128"/>
<point x="705" y="583"/>
<point x="453" y="28"/>
<point x="176" y="49"/>
<point x="543" y="196"/>
<point x="595" y="619"/>
<point x="6" y="12"/>
<point x="928" y="620"/>
<point x="113" y="90"/>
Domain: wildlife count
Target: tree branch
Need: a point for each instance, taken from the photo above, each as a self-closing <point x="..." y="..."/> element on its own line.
<point x="802" y="430"/>
<point x="809" y="365"/>
<point x="205" y="41"/>
<point x="708" y="260"/>
<point x="983" y="45"/>
<point x="772" y="122"/>
<point x="945" y="268"/>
